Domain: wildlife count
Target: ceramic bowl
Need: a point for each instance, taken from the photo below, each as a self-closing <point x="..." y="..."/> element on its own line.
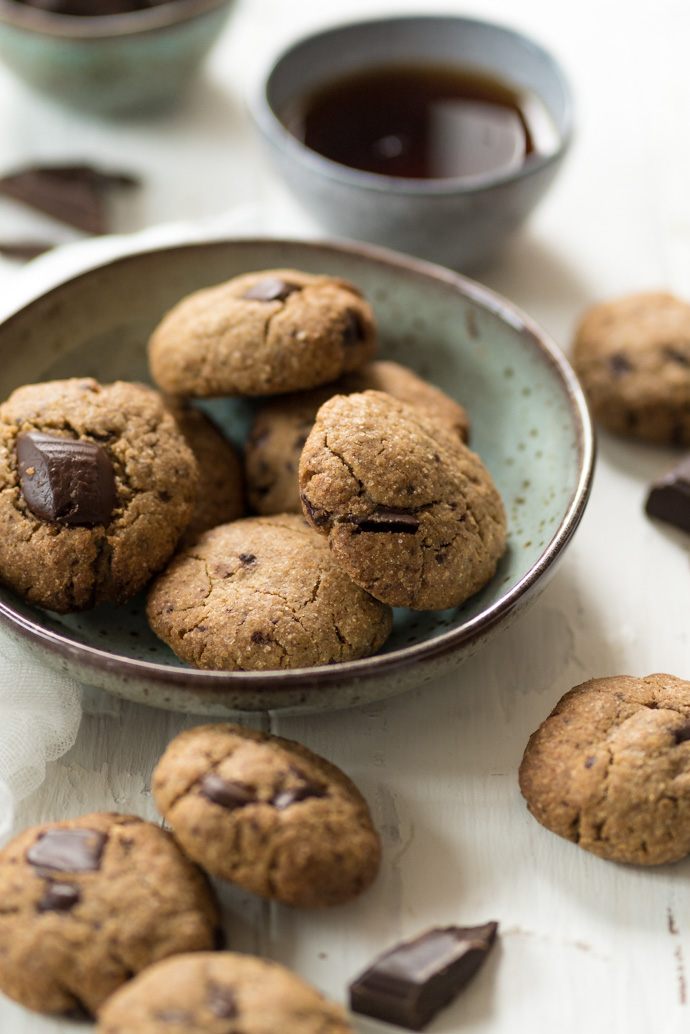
<point x="111" y="65"/>
<point x="459" y="222"/>
<point x="530" y="425"/>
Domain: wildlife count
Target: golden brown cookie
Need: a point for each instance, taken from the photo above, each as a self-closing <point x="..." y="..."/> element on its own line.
<point x="609" y="768"/>
<point x="632" y="356"/>
<point x="220" y="993"/>
<point x="268" y="814"/>
<point x="88" y="902"/>
<point x="281" y="427"/>
<point x="262" y="333"/>
<point x="410" y="513"/>
<point x="263" y="593"/>
<point x="97" y="487"/>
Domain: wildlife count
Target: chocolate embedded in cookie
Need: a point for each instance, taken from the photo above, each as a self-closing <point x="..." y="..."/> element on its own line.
<point x="218" y="994"/>
<point x="633" y="358"/>
<point x="281" y="427"/>
<point x="263" y="593"/>
<point x="669" y="497"/>
<point x="609" y="768"/>
<point x="411" y="514"/>
<point x="98" y="485"/>
<point x="263" y="333"/>
<point x="90" y="901"/>
<point x="268" y="814"/>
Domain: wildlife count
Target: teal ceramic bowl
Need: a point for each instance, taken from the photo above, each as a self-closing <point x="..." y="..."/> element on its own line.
<point x="111" y="65"/>
<point x="530" y="425"/>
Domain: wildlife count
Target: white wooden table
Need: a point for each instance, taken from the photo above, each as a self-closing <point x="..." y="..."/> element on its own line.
<point x="586" y="945"/>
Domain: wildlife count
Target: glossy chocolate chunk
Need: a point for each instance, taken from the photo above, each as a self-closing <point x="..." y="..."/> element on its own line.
<point x="271" y="290"/>
<point x="389" y="519"/>
<point x="226" y="792"/>
<point x="68" y="850"/>
<point x="669" y="498"/>
<point x="301" y="792"/>
<point x="354" y="332"/>
<point x="59" y="897"/>
<point x="66" y="480"/>
<point x="410" y="983"/>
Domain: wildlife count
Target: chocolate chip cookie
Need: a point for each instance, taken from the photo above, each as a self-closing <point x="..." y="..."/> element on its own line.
<point x="263" y="593"/>
<point x="88" y="902"/>
<point x="410" y="513"/>
<point x="281" y="426"/>
<point x="633" y="358"/>
<point x="97" y="487"/>
<point x="266" y="813"/>
<point x="609" y="768"/>
<point x="262" y="333"/>
<point x="218" y="994"/>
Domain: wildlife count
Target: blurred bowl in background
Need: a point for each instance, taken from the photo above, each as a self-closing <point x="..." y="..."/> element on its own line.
<point x="111" y="65"/>
<point x="457" y="218"/>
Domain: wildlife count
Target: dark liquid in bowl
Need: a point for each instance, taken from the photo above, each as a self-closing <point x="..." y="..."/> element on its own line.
<point x="421" y="123"/>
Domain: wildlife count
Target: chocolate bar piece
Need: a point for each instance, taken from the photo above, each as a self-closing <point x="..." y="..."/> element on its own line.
<point x="413" y="981"/>
<point x="66" y="480"/>
<point x="669" y="497"/>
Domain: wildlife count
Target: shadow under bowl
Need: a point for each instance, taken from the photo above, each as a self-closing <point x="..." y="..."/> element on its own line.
<point x="460" y="222"/>
<point x="530" y="425"/>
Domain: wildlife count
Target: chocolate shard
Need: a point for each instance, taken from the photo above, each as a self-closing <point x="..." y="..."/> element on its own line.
<point x="226" y="792"/>
<point x="669" y="497"/>
<point x="68" y="850"/>
<point x="271" y="290"/>
<point x="65" y="479"/>
<point x="59" y="897"/>
<point x="72" y="194"/>
<point x="388" y="519"/>
<point x="354" y="331"/>
<point x="413" y="981"/>
<point x="302" y="792"/>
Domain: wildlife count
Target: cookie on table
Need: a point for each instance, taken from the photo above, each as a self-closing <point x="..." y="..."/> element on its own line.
<point x="263" y="593"/>
<point x="98" y="486"/>
<point x="632" y="356"/>
<point x="609" y="768"/>
<point x="220" y="993"/>
<point x="220" y="493"/>
<point x="262" y="333"/>
<point x="409" y="512"/>
<point x="88" y="902"/>
<point x="267" y="814"/>
<point x="281" y="427"/>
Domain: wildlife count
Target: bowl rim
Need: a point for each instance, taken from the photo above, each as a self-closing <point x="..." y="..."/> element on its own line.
<point x="105" y="26"/>
<point x="445" y="643"/>
<point x="277" y="133"/>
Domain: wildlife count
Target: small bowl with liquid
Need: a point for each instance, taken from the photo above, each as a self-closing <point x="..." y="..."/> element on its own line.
<point x="432" y="135"/>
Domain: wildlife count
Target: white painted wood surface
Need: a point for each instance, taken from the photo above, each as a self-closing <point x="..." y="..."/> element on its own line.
<point x="585" y="945"/>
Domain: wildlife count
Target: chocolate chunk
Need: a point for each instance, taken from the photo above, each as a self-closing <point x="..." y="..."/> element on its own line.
<point x="221" y="1002"/>
<point x="68" y="850"/>
<point x="316" y="516"/>
<point x="669" y="497"/>
<point x="306" y="789"/>
<point x="620" y="364"/>
<point x="247" y="558"/>
<point x="353" y="332"/>
<point x="388" y="519"/>
<point x="410" y="983"/>
<point x="682" y="733"/>
<point x="59" y="897"/>
<point x="66" y="480"/>
<point x="226" y="792"/>
<point x="72" y="194"/>
<point x="677" y="355"/>
<point x="271" y="290"/>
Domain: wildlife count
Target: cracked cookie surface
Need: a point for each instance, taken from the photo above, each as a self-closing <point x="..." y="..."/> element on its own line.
<point x="263" y="333"/>
<point x="263" y="593"/>
<point x="87" y="902"/>
<point x="281" y="427"/>
<point x="410" y="513"/>
<point x="609" y="768"/>
<point x="632" y="356"/>
<point x="218" y="994"/>
<point x="267" y="814"/>
<point x="65" y="566"/>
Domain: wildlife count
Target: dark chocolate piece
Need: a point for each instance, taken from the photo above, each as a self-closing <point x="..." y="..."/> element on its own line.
<point x="24" y="251"/>
<point x="68" y="850"/>
<point x="388" y="519"/>
<point x="59" y="897"/>
<point x="271" y="290"/>
<point x="226" y="792"/>
<point x="306" y="789"/>
<point x="72" y="194"/>
<point x="221" y="1002"/>
<point x="682" y="733"/>
<point x="413" y="981"/>
<point x="353" y="333"/>
<point x="669" y="497"/>
<point x="66" y="480"/>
